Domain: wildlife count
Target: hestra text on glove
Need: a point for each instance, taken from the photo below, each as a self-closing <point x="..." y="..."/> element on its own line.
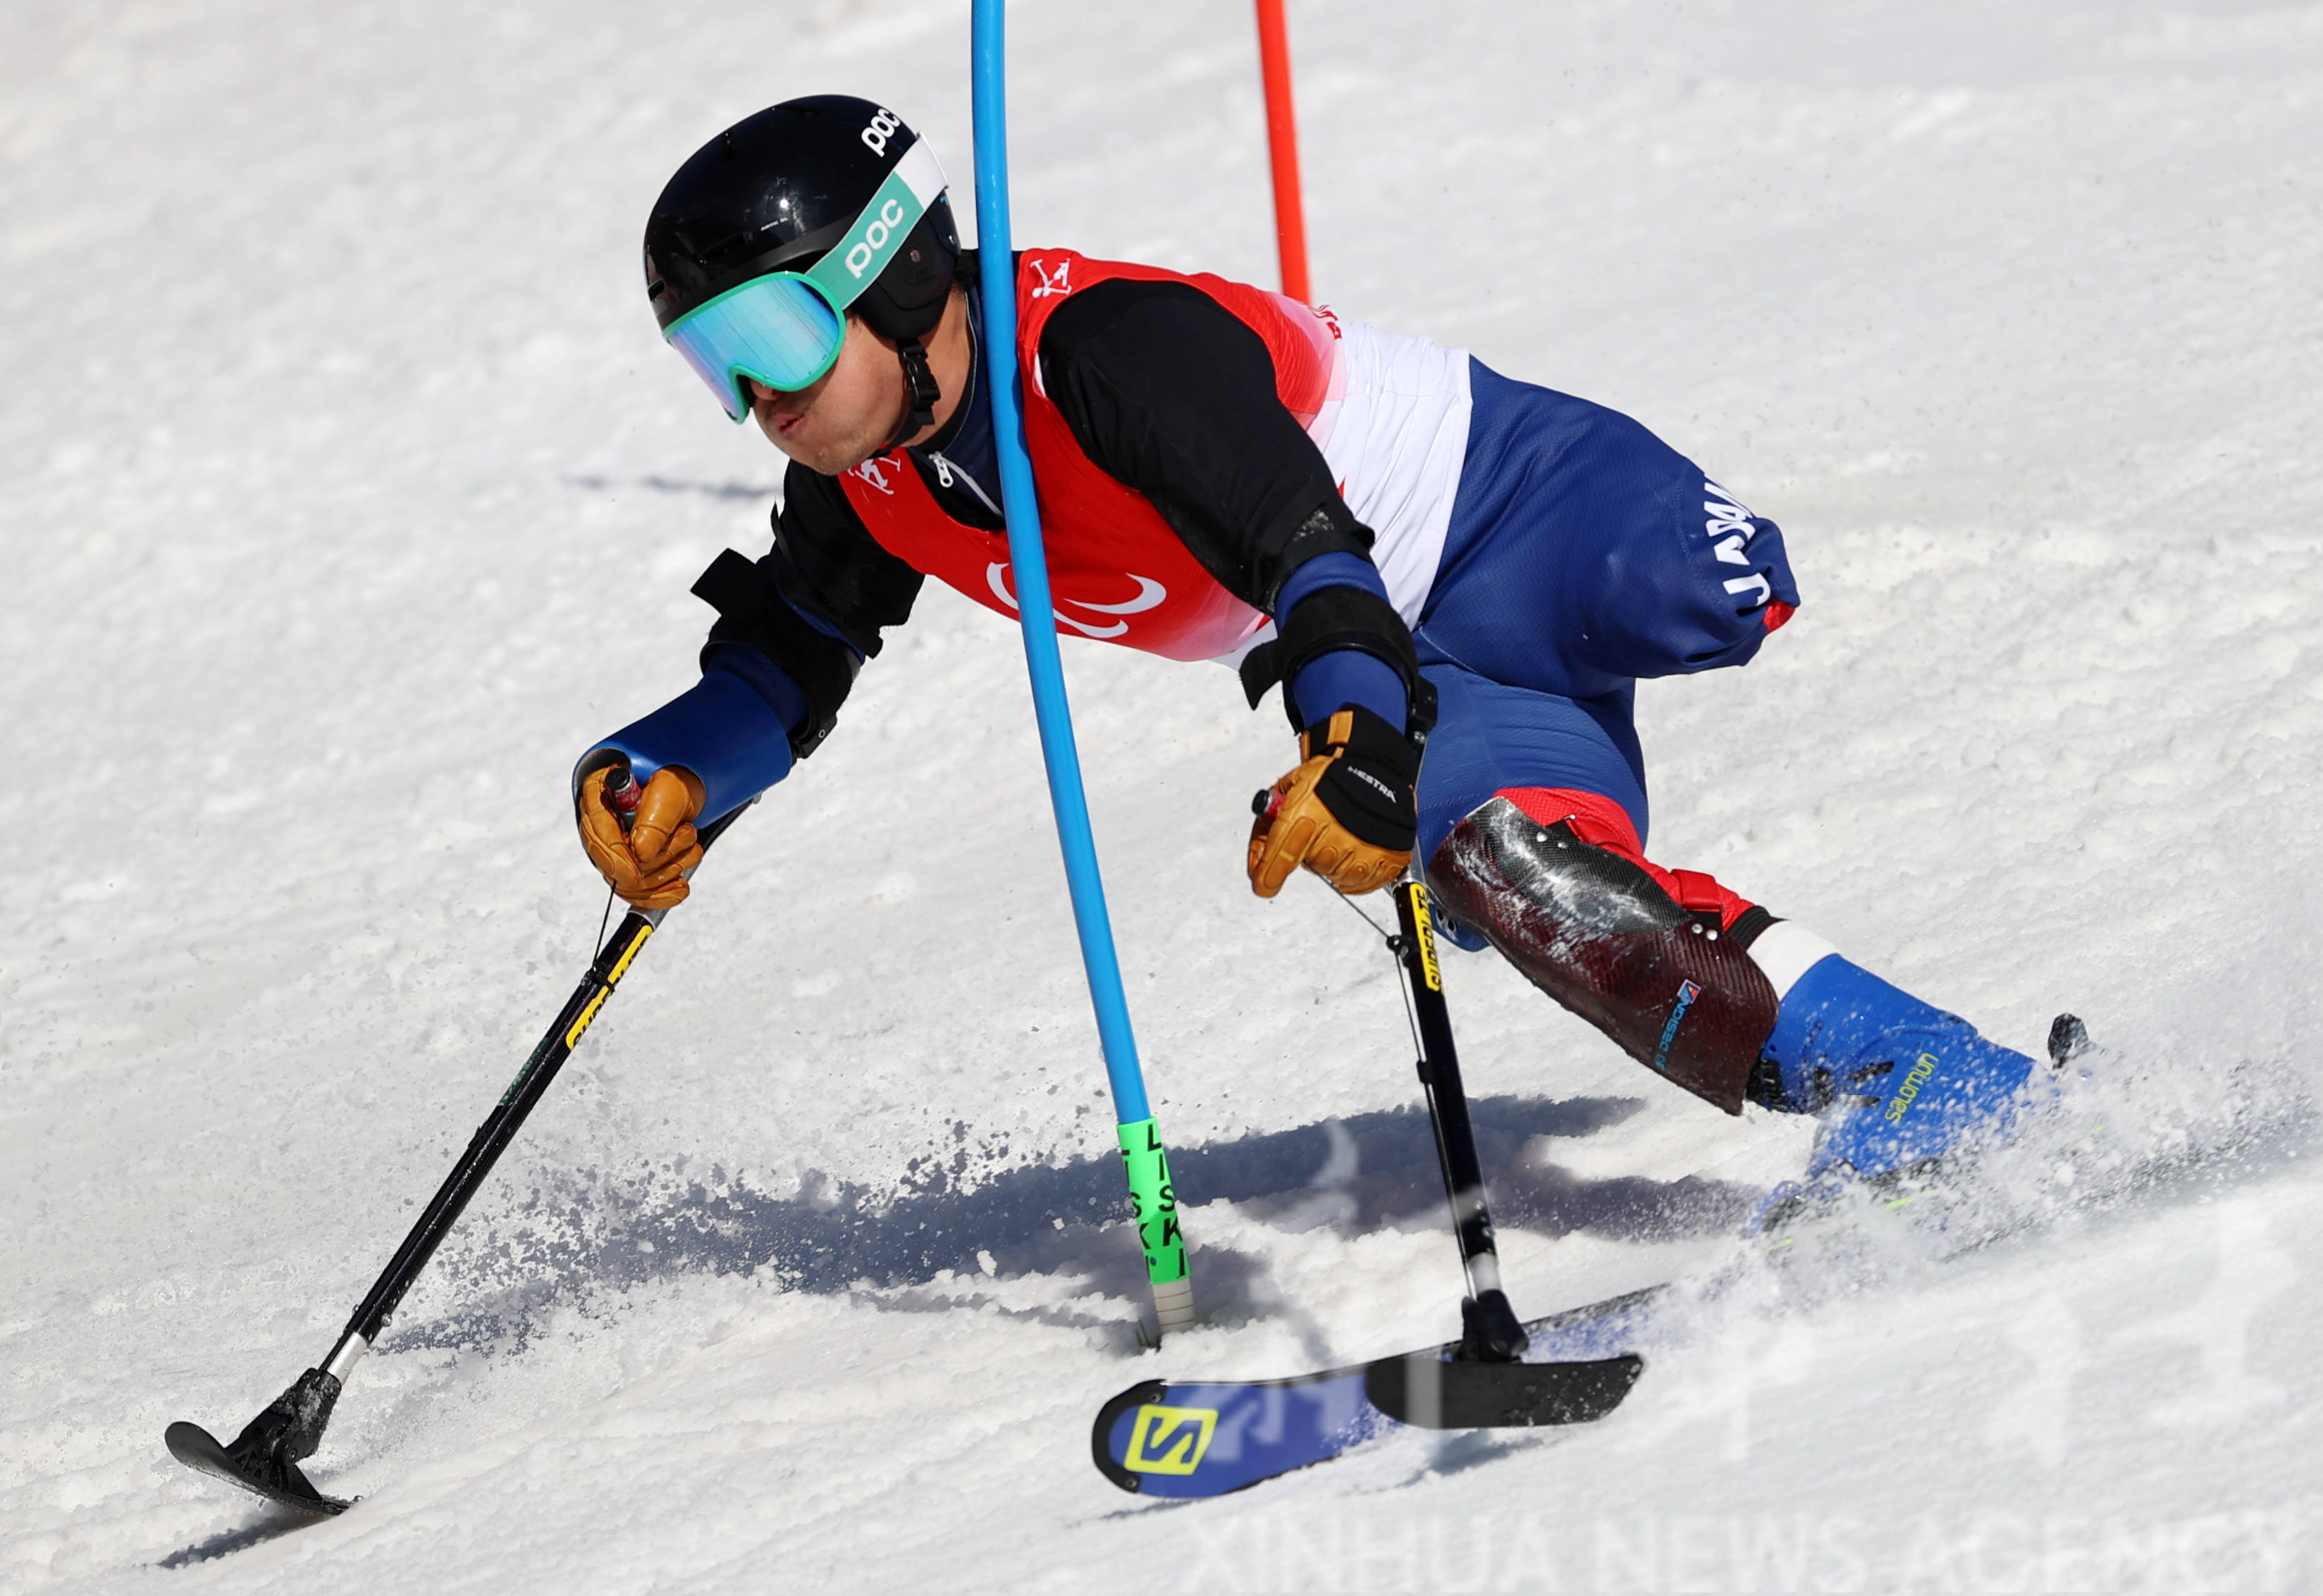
<point x="1345" y="813"/>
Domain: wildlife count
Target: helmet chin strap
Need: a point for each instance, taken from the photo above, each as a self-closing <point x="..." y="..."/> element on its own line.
<point x="921" y="382"/>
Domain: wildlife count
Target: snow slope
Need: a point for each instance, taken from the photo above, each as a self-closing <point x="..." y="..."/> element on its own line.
<point x="348" y="494"/>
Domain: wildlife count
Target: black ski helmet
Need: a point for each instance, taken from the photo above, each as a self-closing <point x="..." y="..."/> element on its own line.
<point x="774" y="193"/>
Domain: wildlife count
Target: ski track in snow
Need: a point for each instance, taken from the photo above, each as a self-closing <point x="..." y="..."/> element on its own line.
<point x="349" y="493"/>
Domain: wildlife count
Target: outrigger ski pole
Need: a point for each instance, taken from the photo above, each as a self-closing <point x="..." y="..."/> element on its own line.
<point x="265" y="1458"/>
<point x="1485" y="1383"/>
<point x="1490" y="1332"/>
<point x="1187" y="1439"/>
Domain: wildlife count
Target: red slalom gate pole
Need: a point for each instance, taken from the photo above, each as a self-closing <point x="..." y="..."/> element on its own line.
<point x="1282" y="149"/>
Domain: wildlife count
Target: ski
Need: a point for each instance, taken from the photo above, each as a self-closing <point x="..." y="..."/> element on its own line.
<point x="1188" y="1438"/>
<point x="264" y="1458"/>
<point x="197" y="1448"/>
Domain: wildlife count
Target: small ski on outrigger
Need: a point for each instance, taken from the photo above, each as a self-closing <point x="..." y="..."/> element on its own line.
<point x="1188" y="1438"/>
<point x="1205" y="1438"/>
<point x="265" y="1458"/>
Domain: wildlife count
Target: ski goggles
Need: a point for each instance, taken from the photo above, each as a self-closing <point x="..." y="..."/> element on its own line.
<point x="785" y="329"/>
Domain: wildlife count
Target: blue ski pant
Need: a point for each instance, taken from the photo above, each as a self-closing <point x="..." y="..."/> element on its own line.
<point x="1583" y="552"/>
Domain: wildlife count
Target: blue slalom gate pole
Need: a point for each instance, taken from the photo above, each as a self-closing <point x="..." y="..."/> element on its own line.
<point x="1144" y="1161"/>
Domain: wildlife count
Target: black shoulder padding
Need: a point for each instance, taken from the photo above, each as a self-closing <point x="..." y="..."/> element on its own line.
<point x="752" y="613"/>
<point x="1335" y="617"/>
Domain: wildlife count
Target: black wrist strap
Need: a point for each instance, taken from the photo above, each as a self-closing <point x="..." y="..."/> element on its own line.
<point x="1331" y="618"/>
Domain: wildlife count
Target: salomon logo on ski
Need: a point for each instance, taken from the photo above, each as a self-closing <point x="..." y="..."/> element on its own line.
<point x="1170" y="1440"/>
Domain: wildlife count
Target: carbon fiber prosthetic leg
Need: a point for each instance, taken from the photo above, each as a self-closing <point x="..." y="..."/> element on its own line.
<point x="1604" y="937"/>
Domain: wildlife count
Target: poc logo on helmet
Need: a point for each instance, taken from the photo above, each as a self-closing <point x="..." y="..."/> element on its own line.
<point x="882" y="127"/>
<point x="874" y="237"/>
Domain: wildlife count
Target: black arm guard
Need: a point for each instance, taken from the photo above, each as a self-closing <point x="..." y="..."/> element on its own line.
<point x="751" y="613"/>
<point x="1335" y="617"/>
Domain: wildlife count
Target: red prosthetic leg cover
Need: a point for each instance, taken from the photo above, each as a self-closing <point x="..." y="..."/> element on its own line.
<point x="1556" y="882"/>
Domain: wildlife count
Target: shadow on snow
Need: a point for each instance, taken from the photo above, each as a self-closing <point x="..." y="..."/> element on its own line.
<point x="1364" y="1173"/>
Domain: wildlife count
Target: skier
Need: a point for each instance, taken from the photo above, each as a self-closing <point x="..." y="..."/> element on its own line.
<point x="1423" y="552"/>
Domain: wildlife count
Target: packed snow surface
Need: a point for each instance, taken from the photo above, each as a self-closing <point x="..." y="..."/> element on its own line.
<point x="349" y="493"/>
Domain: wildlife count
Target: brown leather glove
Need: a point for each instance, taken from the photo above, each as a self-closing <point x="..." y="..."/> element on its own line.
<point x="1347" y="812"/>
<point x="645" y="863"/>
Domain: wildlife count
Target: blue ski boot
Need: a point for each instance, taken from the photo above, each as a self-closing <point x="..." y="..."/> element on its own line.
<point x="1896" y="1082"/>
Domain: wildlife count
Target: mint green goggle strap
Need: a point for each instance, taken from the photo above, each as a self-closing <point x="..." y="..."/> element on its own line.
<point x="855" y="262"/>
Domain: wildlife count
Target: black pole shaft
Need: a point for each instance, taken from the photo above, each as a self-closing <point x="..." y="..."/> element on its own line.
<point x="507" y="1116"/>
<point x="1439" y="1075"/>
<point x="501" y="1126"/>
<point x="1491" y="1330"/>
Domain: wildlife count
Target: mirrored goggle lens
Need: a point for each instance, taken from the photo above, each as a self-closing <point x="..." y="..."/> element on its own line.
<point x="777" y="329"/>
